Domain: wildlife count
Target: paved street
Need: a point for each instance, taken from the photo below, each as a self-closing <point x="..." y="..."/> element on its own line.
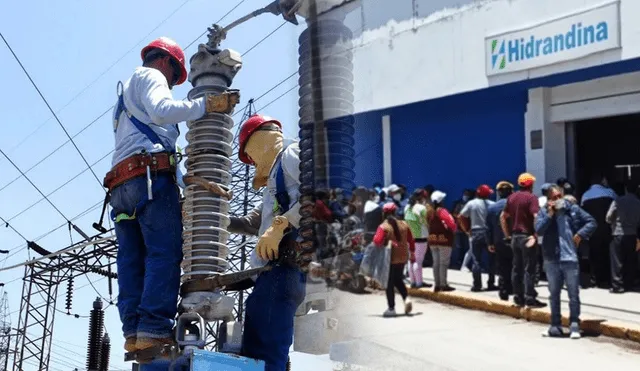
<point x="439" y="337"/>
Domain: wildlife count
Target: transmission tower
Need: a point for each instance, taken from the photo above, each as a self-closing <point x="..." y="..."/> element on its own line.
<point x="5" y="332"/>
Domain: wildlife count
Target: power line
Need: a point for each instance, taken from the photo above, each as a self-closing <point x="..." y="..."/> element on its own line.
<point x="238" y="112"/>
<point x="102" y="74"/>
<point x="60" y="187"/>
<point x="219" y="20"/>
<point x="50" y="109"/>
<point x="21" y="247"/>
<point x="112" y="106"/>
<point x="57" y="149"/>
<point x="15" y="230"/>
<point x="34" y="186"/>
<point x="264" y="38"/>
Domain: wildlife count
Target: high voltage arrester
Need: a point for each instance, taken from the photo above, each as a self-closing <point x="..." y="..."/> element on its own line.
<point x="69" y="299"/>
<point x="94" y="345"/>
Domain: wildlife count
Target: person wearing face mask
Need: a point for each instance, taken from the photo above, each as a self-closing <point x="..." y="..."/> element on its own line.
<point x="563" y="226"/>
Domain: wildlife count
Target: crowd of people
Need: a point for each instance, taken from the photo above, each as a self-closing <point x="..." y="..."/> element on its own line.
<point x="511" y="234"/>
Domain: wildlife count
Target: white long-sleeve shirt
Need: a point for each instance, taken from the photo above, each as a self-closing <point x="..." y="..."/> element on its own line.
<point x="290" y="167"/>
<point x="147" y="97"/>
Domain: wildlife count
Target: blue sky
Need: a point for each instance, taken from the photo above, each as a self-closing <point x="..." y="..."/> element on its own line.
<point x="76" y="55"/>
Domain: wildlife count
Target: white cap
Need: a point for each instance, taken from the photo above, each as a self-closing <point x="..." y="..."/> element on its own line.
<point x="392" y="188"/>
<point x="438" y="196"/>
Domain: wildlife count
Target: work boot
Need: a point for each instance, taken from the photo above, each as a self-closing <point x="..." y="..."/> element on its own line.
<point x="130" y="344"/>
<point x="144" y="342"/>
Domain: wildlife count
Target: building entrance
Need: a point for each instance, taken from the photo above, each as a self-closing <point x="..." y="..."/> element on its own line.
<point x="609" y="145"/>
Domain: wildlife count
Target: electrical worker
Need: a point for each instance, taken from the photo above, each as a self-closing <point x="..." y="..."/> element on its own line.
<point x="271" y="306"/>
<point x="144" y="197"/>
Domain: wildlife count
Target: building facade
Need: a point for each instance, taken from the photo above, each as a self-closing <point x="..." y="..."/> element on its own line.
<point x="459" y="93"/>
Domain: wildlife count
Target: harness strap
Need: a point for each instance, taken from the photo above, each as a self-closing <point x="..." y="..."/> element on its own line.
<point x="154" y="138"/>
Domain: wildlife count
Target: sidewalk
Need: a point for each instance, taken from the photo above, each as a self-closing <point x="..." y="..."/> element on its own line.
<point x="602" y="313"/>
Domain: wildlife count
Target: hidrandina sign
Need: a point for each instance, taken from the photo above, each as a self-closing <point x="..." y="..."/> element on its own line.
<point x="561" y="39"/>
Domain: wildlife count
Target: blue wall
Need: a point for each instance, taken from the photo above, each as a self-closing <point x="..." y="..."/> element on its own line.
<point x="459" y="141"/>
<point x="368" y="148"/>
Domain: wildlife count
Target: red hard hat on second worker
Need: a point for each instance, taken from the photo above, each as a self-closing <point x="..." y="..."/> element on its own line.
<point x="484" y="191"/>
<point x="173" y="49"/>
<point x="250" y="126"/>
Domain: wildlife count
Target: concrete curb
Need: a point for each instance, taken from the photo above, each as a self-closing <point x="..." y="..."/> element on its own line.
<point x="591" y="326"/>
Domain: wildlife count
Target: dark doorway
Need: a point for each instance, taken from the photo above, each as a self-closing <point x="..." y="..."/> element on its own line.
<point x="608" y="145"/>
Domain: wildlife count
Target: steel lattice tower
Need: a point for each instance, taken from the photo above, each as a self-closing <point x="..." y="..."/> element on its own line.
<point x="5" y="332"/>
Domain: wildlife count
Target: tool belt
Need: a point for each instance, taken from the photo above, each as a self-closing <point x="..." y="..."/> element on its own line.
<point x="136" y="166"/>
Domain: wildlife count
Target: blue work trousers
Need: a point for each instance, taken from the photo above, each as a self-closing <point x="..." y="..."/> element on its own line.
<point x="480" y="248"/>
<point x="558" y="274"/>
<point x="149" y="256"/>
<point x="269" y="315"/>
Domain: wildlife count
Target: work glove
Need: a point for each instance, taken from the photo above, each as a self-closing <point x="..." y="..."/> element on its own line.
<point x="212" y="187"/>
<point x="269" y="242"/>
<point x="222" y="103"/>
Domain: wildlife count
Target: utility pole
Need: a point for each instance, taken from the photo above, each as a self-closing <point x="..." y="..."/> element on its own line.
<point x="5" y="332"/>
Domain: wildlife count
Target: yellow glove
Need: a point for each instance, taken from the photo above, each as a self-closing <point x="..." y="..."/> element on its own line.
<point x="222" y="103"/>
<point x="269" y="242"/>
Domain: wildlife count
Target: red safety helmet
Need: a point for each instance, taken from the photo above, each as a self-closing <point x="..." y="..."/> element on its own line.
<point x="171" y="48"/>
<point x="389" y="208"/>
<point x="252" y="124"/>
<point x="484" y="191"/>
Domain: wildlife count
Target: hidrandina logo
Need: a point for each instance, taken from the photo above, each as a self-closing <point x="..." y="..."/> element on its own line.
<point x="498" y="54"/>
<point x="505" y="50"/>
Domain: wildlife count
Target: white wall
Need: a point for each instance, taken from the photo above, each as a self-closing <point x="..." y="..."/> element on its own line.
<point x="443" y="53"/>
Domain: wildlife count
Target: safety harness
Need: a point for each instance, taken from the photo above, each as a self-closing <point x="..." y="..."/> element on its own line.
<point x="281" y="205"/>
<point x="145" y="129"/>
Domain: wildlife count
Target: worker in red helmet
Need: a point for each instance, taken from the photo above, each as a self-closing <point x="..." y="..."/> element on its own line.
<point x="144" y="197"/>
<point x="277" y="293"/>
<point x="473" y="221"/>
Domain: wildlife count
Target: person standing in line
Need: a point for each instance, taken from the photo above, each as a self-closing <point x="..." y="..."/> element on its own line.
<point x="473" y="222"/>
<point x="402" y="249"/>
<point x="624" y="217"/>
<point x="415" y="215"/>
<point x="442" y="228"/>
<point x="596" y="201"/>
<point x="563" y="225"/>
<point x="504" y="255"/>
<point x="461" y="254"/>
<point x="517" y="223"/>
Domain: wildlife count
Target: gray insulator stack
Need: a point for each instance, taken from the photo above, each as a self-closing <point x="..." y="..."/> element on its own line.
<point x="209" y="151"/>
<point x="207" y="215"/>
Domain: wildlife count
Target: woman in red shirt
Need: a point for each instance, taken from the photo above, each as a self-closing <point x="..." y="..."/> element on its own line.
<point x="403" y="249"/>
